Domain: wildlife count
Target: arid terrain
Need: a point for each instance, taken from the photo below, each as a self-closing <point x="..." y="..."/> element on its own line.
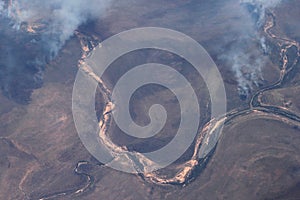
<point x="257" y="156"/>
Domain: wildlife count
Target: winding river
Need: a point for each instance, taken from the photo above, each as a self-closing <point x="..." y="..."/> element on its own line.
<point x="189" y="170"/>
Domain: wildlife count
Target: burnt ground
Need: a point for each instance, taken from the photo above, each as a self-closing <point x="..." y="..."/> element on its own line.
<point x="256" y="158"/>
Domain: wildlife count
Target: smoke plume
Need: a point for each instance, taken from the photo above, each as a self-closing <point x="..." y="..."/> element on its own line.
<point x="32" y="33"/>
<point x="258" y="8"/>
<point x="245" y="54"/>
<point x="57" y="18"/>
